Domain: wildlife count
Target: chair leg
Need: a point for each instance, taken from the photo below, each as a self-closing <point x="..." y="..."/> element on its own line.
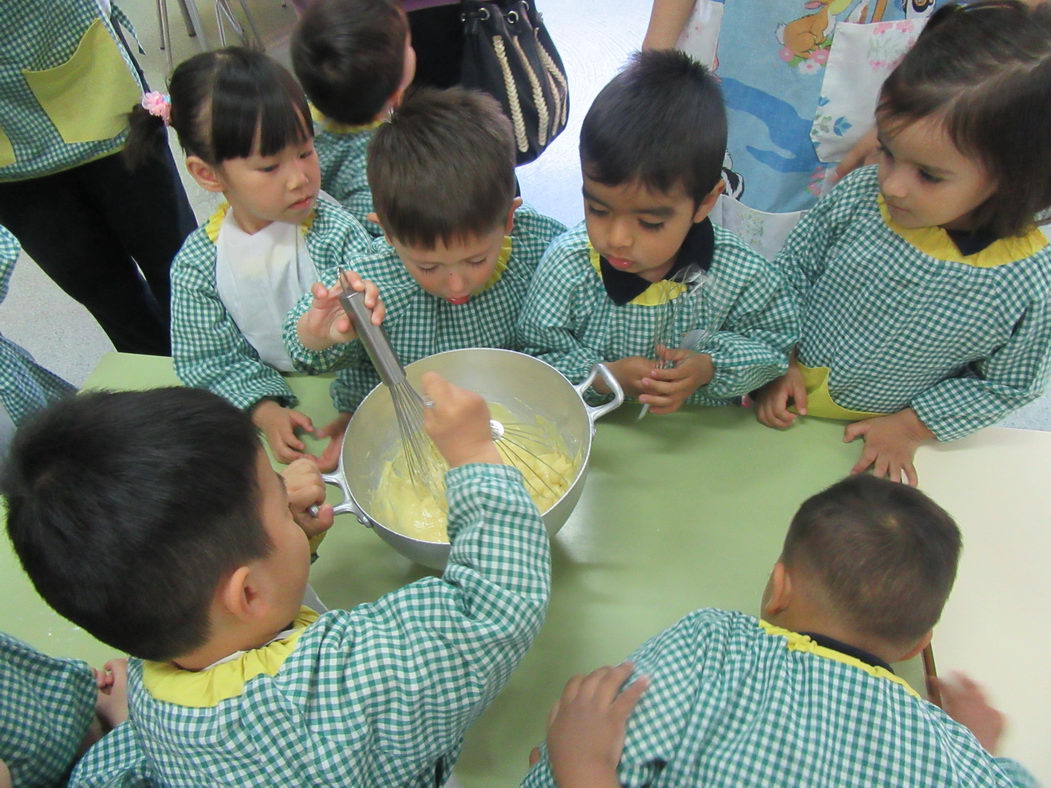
<point x="166" y="36"/>
<point x="251" y="24"/>
<point x="194" y="26"/>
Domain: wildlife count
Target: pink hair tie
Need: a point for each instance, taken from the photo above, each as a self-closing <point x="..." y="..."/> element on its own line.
<point x="159" y="105"/>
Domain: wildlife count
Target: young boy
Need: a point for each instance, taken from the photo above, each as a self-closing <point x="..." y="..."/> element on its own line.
<point x="651" y="150"/>
<point x="806" y="696"/>
<point x="198" y="567"/>
<point x="354" y="59"/>
<point x="460" y="249"/>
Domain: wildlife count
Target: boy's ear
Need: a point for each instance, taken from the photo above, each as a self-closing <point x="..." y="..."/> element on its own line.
<point x="778" y="594"/>
<point x="509" y="225"/>
<point x="204" y="173"/>
<point x="920" y="645"/>
<point x="704" y="207"/>
<point x="237" y="595"/>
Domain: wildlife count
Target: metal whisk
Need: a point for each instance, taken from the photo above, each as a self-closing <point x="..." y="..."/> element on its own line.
<point x="520" y="446"/>
<point x="695" y="279"/>
<point x="423" y="462"/>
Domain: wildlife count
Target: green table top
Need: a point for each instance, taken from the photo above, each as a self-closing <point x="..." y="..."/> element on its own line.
<point x="678" y="512"/>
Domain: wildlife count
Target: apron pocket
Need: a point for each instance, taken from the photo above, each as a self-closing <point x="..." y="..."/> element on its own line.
<point x="7" y="151"/>
<point x="88" y="96"/>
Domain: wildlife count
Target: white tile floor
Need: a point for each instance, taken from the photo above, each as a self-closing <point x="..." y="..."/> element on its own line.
<point x="594" y="40"/>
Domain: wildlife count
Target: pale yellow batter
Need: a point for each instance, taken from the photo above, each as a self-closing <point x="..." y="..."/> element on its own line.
<point x="536" y="450"/>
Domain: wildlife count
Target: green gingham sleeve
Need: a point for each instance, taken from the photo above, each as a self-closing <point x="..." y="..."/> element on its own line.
<point x="25" y="386"/>
<point x="1016" y="773"/>
<point x="563" y="291"/>
<point x="115" y="761"/>
<point x="448" y="645"/>
<point x="208" y="349"/>
<point x="761" y="324"/>
<point x="994" y="386"/>
<point x="802" y="259"/>
<point x="46" y="706"/>
<point x="314" y="362"/>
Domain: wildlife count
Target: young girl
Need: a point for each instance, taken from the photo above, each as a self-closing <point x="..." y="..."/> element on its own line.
<point x="924" y="283"/>
<point x="245" y="126"/>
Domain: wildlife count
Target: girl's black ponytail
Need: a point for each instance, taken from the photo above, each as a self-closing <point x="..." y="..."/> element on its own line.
<point x="143" y="130"/>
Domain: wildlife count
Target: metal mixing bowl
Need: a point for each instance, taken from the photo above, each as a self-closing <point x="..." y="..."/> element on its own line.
<point x="526" y="386"/>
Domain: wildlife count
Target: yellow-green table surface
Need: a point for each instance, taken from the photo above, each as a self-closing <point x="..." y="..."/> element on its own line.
<point x="678" y="512"/>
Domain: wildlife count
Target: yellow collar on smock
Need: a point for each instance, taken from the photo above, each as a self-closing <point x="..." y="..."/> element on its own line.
<point x="501" y="265"/>
<point x="340" y="128"/>
<point x="657" y="294"/>
<point x="937" y="243"/>
<point x="211" y="686"/>
<point x="797" y="642"/>
<point x="215" y="221"/>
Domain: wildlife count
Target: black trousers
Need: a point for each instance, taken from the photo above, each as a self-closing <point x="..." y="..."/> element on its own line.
<point x="107" y="235"/>
<point x="437" y="37"/>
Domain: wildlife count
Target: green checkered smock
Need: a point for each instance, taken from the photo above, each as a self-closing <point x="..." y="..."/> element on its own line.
<point x="902" y="319"/>
<point x="66" y="81"/>
<point x="737" y="702"/>
<point x="46" y="706"/>
<point x="570" y="321"/>
<point x="420" y="324"/>
<point x="342" y="153"/>
<point x="375" y="696"/>
<point x="25" y="386"/>
<point x="208" y="348"/>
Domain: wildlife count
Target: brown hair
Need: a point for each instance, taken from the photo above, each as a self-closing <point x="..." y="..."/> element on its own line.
<point x="443" y="168"/>
<point x="885" y="553"/>
<point x="660" y="121"/>
<point x="221" y="101"/>
<point x="984" y="68"/>
<point x="350" y="56"/>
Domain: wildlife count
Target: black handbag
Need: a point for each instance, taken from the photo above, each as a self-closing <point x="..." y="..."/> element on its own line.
<point x="508" y="54"/>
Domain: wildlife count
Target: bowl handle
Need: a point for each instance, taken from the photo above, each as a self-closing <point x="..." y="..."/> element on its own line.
<point x="597" y="412"/>
<point x="347" y="506"/>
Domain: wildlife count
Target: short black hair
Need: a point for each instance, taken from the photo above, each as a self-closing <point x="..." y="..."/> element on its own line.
<point x="661" y="121"/>
<point x="443" y="168"/>
<point x="222" y="101"/>
<point x="350" y="56"/>
<point x="884" y="552"/>
<point x="984" y="68"/>
<point x="127" y="509"/>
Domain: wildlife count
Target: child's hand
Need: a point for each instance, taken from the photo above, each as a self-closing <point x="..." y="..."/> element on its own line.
<point x="585" y="729"/>
<point x="629" y="373"/>
<point x="865" y="151"/>
<point x="329" y="458"/>
<point x="964" y="701"/>
<point x="326" y="322"/>
<point x="890" y="444"/>
<point x="111" y="703"/>
<point x="305" y="489"/>
<point x="666" y="389"/>
<point x="279" y="425"/>
<point x="458" y="423"/>
<point x="771" y="401"/>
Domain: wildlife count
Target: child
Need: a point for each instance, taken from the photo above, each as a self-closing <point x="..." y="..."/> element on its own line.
<point x="651" y="150"/>
<point x="800" y="80"/>
<point x="25" y="386"/>
<point x="354" y="59"/>
<point x="231" y="680"/>
<point x="460" y="249"/>
<point x="53" y="710"/>
<point x="245" y="127"/>
<point x="925" y="287"/>
<point x="807" y="696"/>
